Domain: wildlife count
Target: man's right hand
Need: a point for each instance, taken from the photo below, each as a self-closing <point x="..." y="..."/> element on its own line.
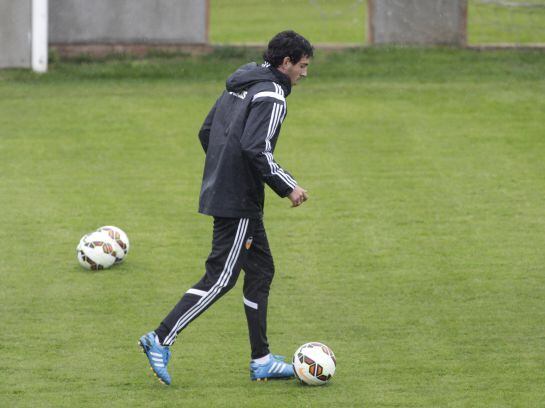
<point x="298" y="196"/>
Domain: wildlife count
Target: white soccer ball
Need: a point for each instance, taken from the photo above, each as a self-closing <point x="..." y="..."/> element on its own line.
<point x="314" y="363"/>
<point x="82" y="242"/>
<point x="96" y="251"/>
<point x="121" y="241"/>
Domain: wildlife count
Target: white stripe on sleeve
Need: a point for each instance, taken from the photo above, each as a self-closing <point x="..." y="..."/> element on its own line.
<point x="268" y="94"/>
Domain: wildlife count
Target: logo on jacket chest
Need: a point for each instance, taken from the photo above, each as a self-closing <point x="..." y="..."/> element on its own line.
<point x="241" y="95"/>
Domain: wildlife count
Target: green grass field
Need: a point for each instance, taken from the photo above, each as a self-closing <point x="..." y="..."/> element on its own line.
<point x="419" y="258"/>
<point x="322" y="21"/>
<point x="494" y="23"/>
<point x="345" y="21"/>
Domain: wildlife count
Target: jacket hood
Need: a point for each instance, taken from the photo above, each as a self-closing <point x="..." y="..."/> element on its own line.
<point x="250" y="74"/>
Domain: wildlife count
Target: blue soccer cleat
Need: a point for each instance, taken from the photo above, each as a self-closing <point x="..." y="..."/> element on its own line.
<point x="158" y="356"/>
<point x="276" y="367"/>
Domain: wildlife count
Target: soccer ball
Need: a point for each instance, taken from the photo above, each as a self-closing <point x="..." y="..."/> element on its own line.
<point x="314" y="363"/>
<point x="82" y="242"/>
<point x="96" y="251"/>
<point x="121" y="241"/>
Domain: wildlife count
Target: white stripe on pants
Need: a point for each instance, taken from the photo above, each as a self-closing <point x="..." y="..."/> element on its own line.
<point x="221" y="283"/>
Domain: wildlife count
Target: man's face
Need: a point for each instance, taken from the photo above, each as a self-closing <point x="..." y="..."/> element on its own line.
<point x="295" y="71"/>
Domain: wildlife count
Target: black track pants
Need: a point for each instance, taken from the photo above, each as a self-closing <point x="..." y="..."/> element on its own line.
<point x="238" y="243"/>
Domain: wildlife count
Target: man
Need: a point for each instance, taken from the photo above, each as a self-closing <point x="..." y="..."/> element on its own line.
<point x="239" y="136"/>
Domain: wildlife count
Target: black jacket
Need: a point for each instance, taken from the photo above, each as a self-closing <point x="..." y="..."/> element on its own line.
<point x="239" y="135"/>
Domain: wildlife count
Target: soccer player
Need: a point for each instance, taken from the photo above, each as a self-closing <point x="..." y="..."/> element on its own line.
<point x="239" y="136"/>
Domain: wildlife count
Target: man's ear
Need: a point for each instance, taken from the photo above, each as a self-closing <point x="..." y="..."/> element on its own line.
<point x="286" y="61"/>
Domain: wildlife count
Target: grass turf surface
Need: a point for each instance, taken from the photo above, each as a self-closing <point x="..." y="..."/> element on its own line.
<point x="418" y="259"/>
<point x="321" y="21"/>
<point x="506" y="22"/>
<point x="345" y="21"/>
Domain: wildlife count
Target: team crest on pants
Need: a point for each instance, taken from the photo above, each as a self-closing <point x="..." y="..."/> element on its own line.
<point x="249" y="242"/>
